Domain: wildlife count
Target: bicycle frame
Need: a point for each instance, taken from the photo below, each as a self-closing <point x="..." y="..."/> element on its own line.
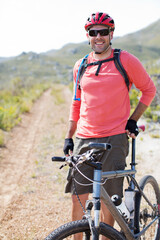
<point x="128" y="227"/>
<point x="100" y="192"/>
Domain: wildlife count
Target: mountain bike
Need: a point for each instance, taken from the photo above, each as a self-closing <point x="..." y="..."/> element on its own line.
<point x="144" y="220"/>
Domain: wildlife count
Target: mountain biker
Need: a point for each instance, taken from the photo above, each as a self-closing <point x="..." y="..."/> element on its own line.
<point x="102" y="114"/>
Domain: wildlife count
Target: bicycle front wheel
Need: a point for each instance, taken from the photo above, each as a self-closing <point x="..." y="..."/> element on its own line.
<point x="82" y="226"/>
<point x="144" y="214"/>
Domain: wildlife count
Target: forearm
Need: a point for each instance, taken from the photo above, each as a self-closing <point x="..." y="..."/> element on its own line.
<point x="71" y="129"/>
<point x="138" y="112"/>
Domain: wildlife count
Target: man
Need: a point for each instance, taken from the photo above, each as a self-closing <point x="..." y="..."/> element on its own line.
<point x="102" y="114"/>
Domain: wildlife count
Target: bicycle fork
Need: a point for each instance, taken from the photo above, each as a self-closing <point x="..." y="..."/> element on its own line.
<point x="96" y="195"/>
<point x="96" y="200"/>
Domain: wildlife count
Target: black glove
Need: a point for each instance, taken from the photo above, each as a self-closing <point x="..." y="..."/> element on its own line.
<point x="132" y="127"/>
<point x="68" y="145"/>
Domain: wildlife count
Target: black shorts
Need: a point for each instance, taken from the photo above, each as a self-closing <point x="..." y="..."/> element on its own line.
<point x="114" y="159"/>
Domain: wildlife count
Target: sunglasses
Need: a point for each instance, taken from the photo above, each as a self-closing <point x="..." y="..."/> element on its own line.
<point x="102" y="32"/>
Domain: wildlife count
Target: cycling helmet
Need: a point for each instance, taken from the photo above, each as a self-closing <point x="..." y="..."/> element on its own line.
<point x="100" y="18"/>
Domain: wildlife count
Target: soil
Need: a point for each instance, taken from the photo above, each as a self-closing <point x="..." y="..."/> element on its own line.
<point x="32" y="199"/>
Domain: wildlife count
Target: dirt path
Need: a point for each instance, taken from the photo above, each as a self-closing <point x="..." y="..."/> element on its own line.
<point x="30" y="185"/>
<point x="32" y="202"/>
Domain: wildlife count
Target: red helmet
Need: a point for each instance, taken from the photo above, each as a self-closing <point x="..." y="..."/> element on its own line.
<point x="100" y="18"/>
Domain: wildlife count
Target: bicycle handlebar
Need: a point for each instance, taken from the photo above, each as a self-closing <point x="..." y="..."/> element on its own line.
<point x="58" y="159"/>
<point x="92" y="146"/>
<point x="86" y="156"/>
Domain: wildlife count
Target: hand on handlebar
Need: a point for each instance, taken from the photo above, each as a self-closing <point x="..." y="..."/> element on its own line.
<point x="132" y="128"/>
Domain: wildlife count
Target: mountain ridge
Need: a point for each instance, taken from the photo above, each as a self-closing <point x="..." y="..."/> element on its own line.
<point x="56" y="65"/>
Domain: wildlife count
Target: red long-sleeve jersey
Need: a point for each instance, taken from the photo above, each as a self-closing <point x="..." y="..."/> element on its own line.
<point x="105" y="105"/>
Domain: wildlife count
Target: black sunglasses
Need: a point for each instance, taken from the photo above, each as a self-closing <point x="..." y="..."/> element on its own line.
<point x="102" y="32"/>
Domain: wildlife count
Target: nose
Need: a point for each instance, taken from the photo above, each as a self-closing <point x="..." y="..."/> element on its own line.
<point x="98" y="35"/>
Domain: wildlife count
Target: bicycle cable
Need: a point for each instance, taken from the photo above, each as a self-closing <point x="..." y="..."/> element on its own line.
<point x="75" y="181"/>
<point x="78" y="195"/>
<point x="92" y="181"/>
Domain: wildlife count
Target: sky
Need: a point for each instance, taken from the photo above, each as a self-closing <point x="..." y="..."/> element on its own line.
<point x="42" y="25"/>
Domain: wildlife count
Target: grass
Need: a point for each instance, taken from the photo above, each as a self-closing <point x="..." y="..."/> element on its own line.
<point x="155" y="135"/>
<point x="57" y="93"/>
<point x="33" y="175"/>
<point x="16" y="100"/>
<point x="2" y="141"/>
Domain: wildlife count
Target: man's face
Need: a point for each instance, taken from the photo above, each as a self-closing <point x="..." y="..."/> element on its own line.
<point x="99" y="43"/>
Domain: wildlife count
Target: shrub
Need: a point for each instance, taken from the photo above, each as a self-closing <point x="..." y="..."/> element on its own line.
<point x="57" y="93"/>
<point x="1" y="138"/>
<point x="134" y="94"/>
<point x="17" y="100"/>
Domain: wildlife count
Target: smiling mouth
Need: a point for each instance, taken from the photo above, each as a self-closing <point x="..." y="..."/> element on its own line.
<point x="99" y="43"/>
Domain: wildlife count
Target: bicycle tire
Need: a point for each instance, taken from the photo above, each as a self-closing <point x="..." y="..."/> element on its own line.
<point x="71" y="228"/>
<point x="143" y="212"/>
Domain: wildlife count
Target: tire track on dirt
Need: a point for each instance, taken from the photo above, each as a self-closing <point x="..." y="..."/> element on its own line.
<point x="32" y="201"/>
<point x="19" y="147"/>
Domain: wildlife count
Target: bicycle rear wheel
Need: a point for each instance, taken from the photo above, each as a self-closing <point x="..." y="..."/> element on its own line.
<point x="82" y="226"/>
<point x="144" y="214"/>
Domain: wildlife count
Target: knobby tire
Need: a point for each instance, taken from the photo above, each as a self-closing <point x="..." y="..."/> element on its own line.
<point x="72" y="228"/>
<point x="143" y="211"/>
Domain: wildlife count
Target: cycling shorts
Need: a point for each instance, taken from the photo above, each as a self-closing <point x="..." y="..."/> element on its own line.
<point x="114" y="159"/>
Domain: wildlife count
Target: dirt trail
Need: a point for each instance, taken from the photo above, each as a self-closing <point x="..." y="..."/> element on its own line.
<point x="19" y="149"/>
<point x="29" y="183"/>
<point x="32" y="202"/>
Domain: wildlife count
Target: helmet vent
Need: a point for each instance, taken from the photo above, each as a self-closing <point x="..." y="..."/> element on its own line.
<point x="100" y="15"/>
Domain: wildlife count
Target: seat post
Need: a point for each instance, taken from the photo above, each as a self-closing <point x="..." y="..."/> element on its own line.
<point x="133" y="154"/>
<point x="133" y="161"/>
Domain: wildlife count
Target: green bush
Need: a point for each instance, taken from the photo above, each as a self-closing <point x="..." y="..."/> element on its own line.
<point x="155" y="118"/>
<point x="9" y="117"/>
<point x="58" y="95"/>
<point x="1" y="138"/>
<point x="148" y="113"/>
<point x="17" y="100"/>
<point x="134" y="95"/>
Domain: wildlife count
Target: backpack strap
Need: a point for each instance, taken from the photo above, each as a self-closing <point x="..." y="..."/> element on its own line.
<point x="81" y="70"/>
<point x="99" y="63"/>
<point x="84" y="65"/>
<point x="120" y="67"/>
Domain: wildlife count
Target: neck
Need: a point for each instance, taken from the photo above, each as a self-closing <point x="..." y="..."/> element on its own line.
<point x="104" y="54"/>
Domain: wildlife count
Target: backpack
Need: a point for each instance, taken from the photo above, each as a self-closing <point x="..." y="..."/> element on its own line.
<point x="84" y="65"/>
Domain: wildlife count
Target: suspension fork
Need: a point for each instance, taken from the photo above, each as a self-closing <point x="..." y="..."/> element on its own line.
<point x="97" y="193"/>
<point x="97" y="174"/>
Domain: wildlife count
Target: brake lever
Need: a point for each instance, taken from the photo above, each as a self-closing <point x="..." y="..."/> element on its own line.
<point x="62" y="166"/>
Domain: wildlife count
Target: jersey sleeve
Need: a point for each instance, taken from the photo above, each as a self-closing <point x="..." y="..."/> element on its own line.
<point x="140" y="78"/>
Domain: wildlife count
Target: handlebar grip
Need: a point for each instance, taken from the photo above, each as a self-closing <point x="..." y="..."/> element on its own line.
<point x="102" y="146"/>
<point x="58" y="159"/>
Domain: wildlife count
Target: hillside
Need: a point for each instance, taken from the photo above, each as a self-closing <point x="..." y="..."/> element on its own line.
<point x="145" y="44"/>
<point x="56" y="65"/>
<point x="148" y="36"/>
<point x="33" y="67"/>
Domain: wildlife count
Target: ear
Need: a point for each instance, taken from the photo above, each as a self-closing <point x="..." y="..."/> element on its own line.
<point x="88" y="38"/>
<point x="87" y="35"/>
<point x="111" y="34"/>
